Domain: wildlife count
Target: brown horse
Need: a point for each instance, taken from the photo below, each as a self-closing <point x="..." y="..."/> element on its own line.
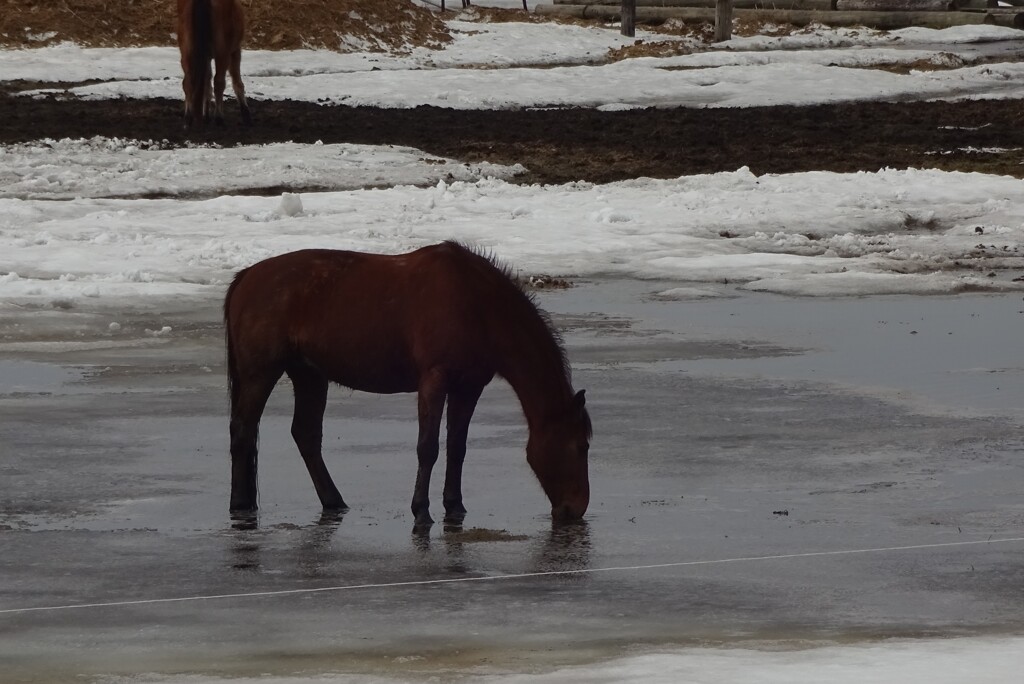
<point x="441" y="321"/>
<point x="211" y="29"/>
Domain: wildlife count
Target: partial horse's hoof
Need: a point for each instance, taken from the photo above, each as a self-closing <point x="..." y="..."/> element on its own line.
<point x="240" y="506"/>
<point x="338" y="507"/>
<point x="332" y="516"/>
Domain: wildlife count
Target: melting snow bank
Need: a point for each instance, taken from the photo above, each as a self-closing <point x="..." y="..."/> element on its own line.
<point x="787" y="79"/>
<point x="819" y="66"/>
<point x="994" y="660"/>
<point x="912" y="231"/>
<point x="102" y="167"/>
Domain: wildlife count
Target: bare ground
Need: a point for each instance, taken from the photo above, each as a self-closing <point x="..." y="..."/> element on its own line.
<point x="555" y="145"/>
<point x="578" y="144"/>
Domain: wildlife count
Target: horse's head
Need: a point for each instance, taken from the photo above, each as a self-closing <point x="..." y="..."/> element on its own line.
<point x="557" y="452"/>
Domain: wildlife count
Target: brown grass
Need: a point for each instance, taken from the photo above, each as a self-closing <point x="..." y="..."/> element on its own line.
<point x="383" y="25"/>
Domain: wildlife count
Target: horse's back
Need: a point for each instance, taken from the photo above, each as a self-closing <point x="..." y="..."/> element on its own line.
<point x="367" y="321"/>
<point x="230" y="21"/>
<point x="226" y="16"/>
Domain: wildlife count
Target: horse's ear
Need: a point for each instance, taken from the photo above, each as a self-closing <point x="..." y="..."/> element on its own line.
<point x="579" y="401"/>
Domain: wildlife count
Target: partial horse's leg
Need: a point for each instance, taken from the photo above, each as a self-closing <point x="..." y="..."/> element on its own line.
<point x="236" y="83"/>
<point x="248" y="399"/>
<point x="431" y="408"/>
<point x="220" y="67"/>
<point x="307" y="430"/>
<point x="186" y="85"/>
<point x="461" y="404"/>
<point x="208" y="100"/>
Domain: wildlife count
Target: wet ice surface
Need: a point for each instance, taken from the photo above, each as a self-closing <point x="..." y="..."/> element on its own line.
<point x="725" y="427"/>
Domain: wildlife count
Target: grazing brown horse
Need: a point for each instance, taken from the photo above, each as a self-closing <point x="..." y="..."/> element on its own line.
<point x="211" y="29"/>
<point x="441" y="321"/>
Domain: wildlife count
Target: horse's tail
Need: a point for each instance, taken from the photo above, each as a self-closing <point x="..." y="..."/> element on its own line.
<point x="232" y="364"/>
<point x="202" y="49"/>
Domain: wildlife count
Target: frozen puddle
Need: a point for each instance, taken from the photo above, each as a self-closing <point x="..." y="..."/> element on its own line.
<point x="30" y="377"/>
<point x="935" y="661"/>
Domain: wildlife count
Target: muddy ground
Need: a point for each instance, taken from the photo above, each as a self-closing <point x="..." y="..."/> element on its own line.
<point x="575" y="144"/>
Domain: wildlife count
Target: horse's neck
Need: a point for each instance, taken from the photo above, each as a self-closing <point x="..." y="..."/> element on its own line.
<point x="534" y="366"/>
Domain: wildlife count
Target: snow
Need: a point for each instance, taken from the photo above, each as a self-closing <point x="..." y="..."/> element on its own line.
<point x="100" y="167"/>
<point x="817" y="67"/>
<point x="121" y="225"/>
<point x="808" y="234"/>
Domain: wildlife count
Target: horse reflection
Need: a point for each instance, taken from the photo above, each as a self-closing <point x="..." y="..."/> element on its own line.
<point x="566" y="548"/>
<point x="248" y="540"/>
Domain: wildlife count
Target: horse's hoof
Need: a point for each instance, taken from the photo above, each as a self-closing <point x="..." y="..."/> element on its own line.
<point x="455" y="517"/>
<point x="246" y="117"/>
<point x="423" y="520"/>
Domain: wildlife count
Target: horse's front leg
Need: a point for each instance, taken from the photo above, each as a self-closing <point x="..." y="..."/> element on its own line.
<point x="431" y="408"/>
<point x="461" y="405"/>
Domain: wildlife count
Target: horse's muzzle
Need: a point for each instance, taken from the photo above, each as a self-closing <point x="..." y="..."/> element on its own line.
<point x="569" y="511"/>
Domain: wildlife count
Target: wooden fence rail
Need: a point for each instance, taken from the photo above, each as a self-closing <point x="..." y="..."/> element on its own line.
<point x="690" y="12"/>
<point x="737" y="4"/>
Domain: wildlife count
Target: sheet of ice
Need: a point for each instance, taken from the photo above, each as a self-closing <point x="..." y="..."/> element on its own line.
<point x="932" y="661"/>
<point x="816" y="233"/>
<point x="995" y="660"/>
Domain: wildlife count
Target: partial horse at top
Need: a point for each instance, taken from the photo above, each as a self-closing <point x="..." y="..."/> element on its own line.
<point x="211" y="29"/>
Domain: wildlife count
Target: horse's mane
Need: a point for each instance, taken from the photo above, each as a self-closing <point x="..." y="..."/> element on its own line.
<point x="521" y="293"/>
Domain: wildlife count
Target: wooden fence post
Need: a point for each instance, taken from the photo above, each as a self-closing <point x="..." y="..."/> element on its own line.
<point x="723" y="20"/>
<point x="628" y="18"/>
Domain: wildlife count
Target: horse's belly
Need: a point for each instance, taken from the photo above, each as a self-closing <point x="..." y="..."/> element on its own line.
<point x="370" y="374"/>
<point x="377" y="384"/>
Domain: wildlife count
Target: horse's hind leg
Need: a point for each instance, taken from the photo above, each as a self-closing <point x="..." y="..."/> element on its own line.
<point x="461" y="404"/>
<point x="307" y="430"/>
<point x="207" y="104"/>
<point x="219" y="81"/>
<point x="186" y="85"/>
<point x="431" y="408"/>
<point x="237" y="85"/>
<point x="248" y="399"/>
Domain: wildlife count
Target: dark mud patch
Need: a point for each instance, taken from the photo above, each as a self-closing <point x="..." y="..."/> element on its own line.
<point x="482" y="534"/>
<point x="563" y="145"/>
